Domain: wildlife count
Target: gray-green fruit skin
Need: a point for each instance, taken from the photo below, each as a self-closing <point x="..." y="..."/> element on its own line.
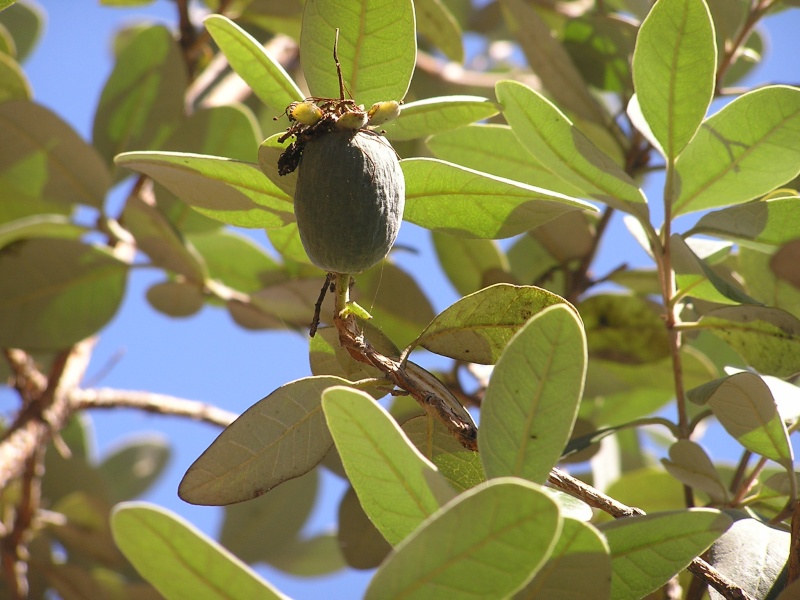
<point x="348" y="200"/>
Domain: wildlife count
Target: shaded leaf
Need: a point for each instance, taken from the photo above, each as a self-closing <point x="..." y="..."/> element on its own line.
<point x="25" y="21"/>
<point x="40" y="226"/>
<point x="647" y="551"/>
<point x="533" y="396"/>
<point x="269" y="152"/>
<point x="745" y="150"/>
<point x="555" y="142"/>
<point x="76" y="290"/>
<point x="469" y="264"/>
<point x="176" y="298"/>
<point x="175" y="557"/>
<point x="767" y="338"/>
<point x="262" y="73"/>
<point x="459" y="201"/>
<point x="259" y="530"/>
<point x="229" y="131"/>
<point x="648" y="488"/>
<point x="43" y="159"/>
<point x="753" y="555"/>
<point x="579" y="567"/>
<point x="132" y="468"/>
<point x="377" y="48"/>
<point x="488" y="542"/>
<point x="495" y="149"/>
<point x="280" y="437"/>
<point x="142" y="100"/>
<point x="362" y="545"/>
<point x="435" y="115"/>
<point x="478" y="327"/>
<point x="784" y="263"/>
<point x="310" y="557"/>
<point x="385" y="469"/>
<point x="600" y="47"/>
<point x="690" y="465"/>
<point x="674" y="65"/>
<point x="624" y="328"/>
<point x="84" y="529"/>
<point x="440" y="27"/>
<point x="234" y="192"/>
<point x="13" y="83"/>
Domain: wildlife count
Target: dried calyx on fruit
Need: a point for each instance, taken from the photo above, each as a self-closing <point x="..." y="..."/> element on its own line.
<point x="350" y="188"/>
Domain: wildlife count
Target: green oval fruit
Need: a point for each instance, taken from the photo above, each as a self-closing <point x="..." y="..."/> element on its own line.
<point x="348" y="200"/>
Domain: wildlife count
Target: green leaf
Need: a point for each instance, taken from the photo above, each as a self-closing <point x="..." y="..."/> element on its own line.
<point x="461" y="467"/>
<point x="579" y="567"/>
<point x="767" y="338"/>
<point x="469" y="264"/>
<point x="265" y="75"/>
<point x="648" y="551"/>
<point x="280" y="437"/>
<point x="156" y="237"/>
<point x="234" y="192"/>
<point x="689" y="464"/>
<point x="142" y="100"/>
<point x="674" y="65"/>
<point x="42" y="159"/>
<point x="377" y="48"/>
<point x="478" y="327"/>
<point x="533" y="396"/>
<point x="435" y="115"/>
<point x="745" y="407"/>
<point x="754" y="556"/>
<point x="551" y="62"/>
<point x="360" y="542"/>
<point x="229" y="131"/>
<point x="648" y="488"/>
<point x="179" y="560"/>
<point x="25" y="20"/>
<point x="624" y="328"/>
<point x="439" y="26"/>
<point x="560" y="147"/>
<point x="287" y="304"/>
<point x="386" y="470"/>
<point x="495" y="149"/>
<point x="762" y="283"/>
<point x="176" y="298"/>
<point x="745" y="150"/>
<point x="459" y="201"/>
<point x="40" y="226"/>
<point x="258" y="530"/>
<point x="76" y="290"/>
<point x="269" y="152"/>
<point x="771" y="222"/>
<point x="133" y="467"/>
<point x="13" y="83"/>
<point x="488" y="542"/>
<point x="310" y="556"/>
<point x="600" y="46"/>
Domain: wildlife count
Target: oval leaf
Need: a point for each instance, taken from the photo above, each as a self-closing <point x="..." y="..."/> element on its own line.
<point x="174" y="556"/>
<point x="486" y="543"/>
<point x="280" y="437"/>
<point x="459" y="201"/>
<point x="377" y="48"/>
<point x="386" y="470"/>
<point x="234" y="192"/>
<point x="533" y="396"/>
<point x="434" y="115"/>
<point x="477" y="328"/>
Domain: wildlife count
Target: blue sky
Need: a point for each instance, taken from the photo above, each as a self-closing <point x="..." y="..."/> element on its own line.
<point x="207" y="357"/>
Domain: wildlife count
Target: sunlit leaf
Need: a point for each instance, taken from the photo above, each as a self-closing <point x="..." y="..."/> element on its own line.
<point x="488" y="542"/>
<point x="234" y="192"/>
<point x="533" y="396"/>
<point x="269" y="152"/>
<point x="555" y="142"/>
<point x="753" y="555"/>
<point x="76" y="290"/>
<point x="745" y="150"/>
<point x="495" y="149"/>
<point x="385" y="469"/>
<point x="479" y="326"/>
<point x="647" y="551"/>
<point x="579" y="567"/>
<point x="435" y="115"/>
<point x="746" y="409"/>
<point x="179" y="560"/>
<point x="767" y="338"/>
<point x="142" y="100"/>
<point x="673" y="70"/>
<point x="648" y="488"/>
<point x="377" y="48"/>
<point x="262" y="73"/>
<point x="459" y="201"/>
<point x="229" y="131"/>
<point x="280" y="437"/>
<point x="600" y="46"/>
